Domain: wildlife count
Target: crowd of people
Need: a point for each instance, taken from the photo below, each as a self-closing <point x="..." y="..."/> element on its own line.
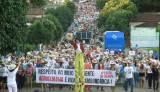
<point x="139" y="67"/>
<point x="130" y="69"/>
<point x="85" y="18"/>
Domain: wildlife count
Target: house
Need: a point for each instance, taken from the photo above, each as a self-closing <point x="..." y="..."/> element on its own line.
<point x="34" y="13"/>
<point x="143" y="30"/>
<point x="37" y="12"/>
<point x="57" y="2"/>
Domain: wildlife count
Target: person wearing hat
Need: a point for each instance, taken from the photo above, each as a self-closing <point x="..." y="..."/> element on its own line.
<point x="113" y="68"/>
<point x="12" y="70"/>
<point x="128" y="71"/>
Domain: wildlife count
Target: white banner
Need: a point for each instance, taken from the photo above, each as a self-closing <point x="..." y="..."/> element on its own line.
<point x="66" y="76"/>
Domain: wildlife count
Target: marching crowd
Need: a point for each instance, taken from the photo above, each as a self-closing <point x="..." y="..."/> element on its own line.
<point x="133" y="70"/>
<point x="85" y="18"/>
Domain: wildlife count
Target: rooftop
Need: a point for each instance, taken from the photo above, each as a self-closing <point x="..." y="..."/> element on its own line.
<point x="34" y="13"/>
<point x="148" y="24"/>
<point x="147" y="17"/>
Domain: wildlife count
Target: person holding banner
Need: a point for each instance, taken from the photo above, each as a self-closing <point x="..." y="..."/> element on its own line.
<point x="88" y="65"/>
<point x="113" y="68"/>
<point x="101" y="67"/>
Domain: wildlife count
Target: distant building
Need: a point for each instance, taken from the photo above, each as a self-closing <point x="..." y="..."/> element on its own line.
<point x="34" y="13"/>
<point x="57" y="2"/>
<point x="143" y="30"/>
<point x="37" y="12"/>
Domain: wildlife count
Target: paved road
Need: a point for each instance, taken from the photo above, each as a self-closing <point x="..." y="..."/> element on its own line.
<point x="106" y="89"/>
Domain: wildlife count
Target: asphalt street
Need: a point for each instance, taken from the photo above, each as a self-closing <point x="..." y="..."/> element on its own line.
<point x="106" y="89"/>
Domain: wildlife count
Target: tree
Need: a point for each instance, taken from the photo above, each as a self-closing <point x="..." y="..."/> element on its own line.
<point x="58" y="33"/>
<point x="38" y="3"/>
<point x="116" y="9"/>
<point x="112" y="24"/>
<point x="63" y="14"/>
<point x="75" y="0"/>
<point x="41" y="31"/>
<point x="115" y="5"/>
<point x="158" y="29"/>
<point x="100" y="4"/>
<point x="147" y="5"/>
<point x="12" y="23"/>
<point x="70" y="5"/>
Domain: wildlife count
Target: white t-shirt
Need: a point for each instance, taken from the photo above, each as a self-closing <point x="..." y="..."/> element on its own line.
<point x="11" y="78"/>
<point x="65" y="64"/>
<point x="78" y="48"/>
<point x="52" y="63"/>
<point x="129" y="72"/>
<point x="149" y="70"/>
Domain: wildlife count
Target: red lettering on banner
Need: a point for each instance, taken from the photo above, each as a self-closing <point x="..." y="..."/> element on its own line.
<point x="51" y="78"/>
<point x="106" y="75"/>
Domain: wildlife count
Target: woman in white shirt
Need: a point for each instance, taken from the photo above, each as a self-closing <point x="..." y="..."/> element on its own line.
<point x="11" y="77"/>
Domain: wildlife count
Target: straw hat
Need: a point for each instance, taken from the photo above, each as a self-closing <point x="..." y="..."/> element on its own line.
<point x="51" y="56"/>
<point x="69" y="36"/>
<point x="11" y="66"/>
<point x="41" y="54"/>
<point x="32" y="60"/>
<point x="29" y="53"/>
<point x="38" y="57"/>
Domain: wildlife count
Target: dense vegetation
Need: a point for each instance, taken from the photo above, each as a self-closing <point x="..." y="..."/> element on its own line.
<point x="13" y="24"/>
<point x="147" y="5"/>
<point x="100" y="4"/>
<point x="15" y="35"/>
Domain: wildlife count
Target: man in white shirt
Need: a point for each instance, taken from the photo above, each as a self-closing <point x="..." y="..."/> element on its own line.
<point x="11" y="77"/>
<point x="129" y="71"/>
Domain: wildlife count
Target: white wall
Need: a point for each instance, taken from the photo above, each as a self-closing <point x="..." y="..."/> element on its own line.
<point x="144" y="37"/>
